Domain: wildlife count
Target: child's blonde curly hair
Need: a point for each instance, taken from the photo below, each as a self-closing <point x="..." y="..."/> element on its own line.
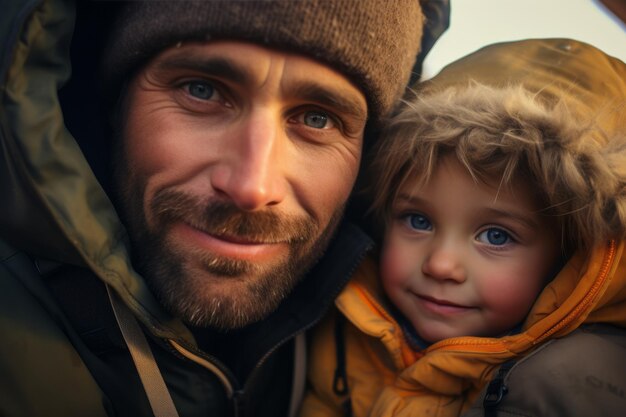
<point x="501" y="133"/>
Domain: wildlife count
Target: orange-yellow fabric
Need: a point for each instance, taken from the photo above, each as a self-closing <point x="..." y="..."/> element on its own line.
<point x="387" y="379"/>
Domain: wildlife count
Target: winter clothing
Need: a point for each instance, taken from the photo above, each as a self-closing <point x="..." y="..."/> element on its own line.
<point x="567" y="357"/>
<point x="62" y="244"/>
<point x="386" y="377"/>
<point x="374" y="44"/>
<point x="559" y="379"/>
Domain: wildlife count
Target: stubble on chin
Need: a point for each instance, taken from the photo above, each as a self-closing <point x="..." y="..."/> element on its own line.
<point x="208" y="290"/>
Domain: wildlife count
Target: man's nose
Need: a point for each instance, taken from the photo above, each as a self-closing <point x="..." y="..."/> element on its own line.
<point x="251" y="173"/>
<point x="444" y="262"/>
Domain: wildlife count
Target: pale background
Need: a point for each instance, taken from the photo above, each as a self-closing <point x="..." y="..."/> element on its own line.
<point x="475" y="23"/>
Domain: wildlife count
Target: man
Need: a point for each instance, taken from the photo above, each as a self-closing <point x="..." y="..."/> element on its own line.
<point x="236" y="136"/>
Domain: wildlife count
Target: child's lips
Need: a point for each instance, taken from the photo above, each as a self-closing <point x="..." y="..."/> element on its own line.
<point x="441" y="302"/>
<point x="442" y="307"/>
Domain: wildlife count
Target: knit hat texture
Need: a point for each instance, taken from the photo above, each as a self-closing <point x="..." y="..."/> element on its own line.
<point x="373" y="43"/>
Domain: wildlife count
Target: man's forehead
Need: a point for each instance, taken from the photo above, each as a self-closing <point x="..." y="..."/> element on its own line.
<point x="248" y="64"/>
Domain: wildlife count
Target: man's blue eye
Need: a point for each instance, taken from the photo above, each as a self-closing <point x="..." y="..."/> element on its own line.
<point x="201" y="90"/>
<point x="419" y="222"/>
<point x="316" y="119"/>
<point x="494" y="236"/>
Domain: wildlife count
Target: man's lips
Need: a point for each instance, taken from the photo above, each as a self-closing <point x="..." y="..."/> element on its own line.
<point x="229" y="246"/>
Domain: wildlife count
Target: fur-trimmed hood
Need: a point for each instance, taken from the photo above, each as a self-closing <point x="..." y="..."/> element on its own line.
<point x="554" y="108"/>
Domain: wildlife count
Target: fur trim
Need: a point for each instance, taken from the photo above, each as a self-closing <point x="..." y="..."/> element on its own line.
<point x="578" y="167"/>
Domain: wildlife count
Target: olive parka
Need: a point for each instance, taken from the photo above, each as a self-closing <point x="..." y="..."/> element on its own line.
<point x="62" y="244"/>
<point x="569" y="356"/>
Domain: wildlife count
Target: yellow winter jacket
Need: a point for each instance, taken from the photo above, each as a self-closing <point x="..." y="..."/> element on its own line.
<point x="386" y="378"/>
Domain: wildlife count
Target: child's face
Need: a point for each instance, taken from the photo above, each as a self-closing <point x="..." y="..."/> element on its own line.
<point x="461" y="258"/>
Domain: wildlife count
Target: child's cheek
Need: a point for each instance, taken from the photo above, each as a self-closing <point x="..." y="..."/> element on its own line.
<point x="394" y="267"/>
<point x="509" y="297"/>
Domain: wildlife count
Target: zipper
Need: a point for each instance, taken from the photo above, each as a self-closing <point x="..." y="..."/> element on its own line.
<point x="607" y="262"/>
<point x="235" y="395"/>
<point x="497" y="389"/>
<point x="210" y="363"/>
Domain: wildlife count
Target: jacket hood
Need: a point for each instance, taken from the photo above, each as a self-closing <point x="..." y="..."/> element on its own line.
<point x="589" y="80"/>
<point x="53" y="206"/>
<point x="553" y="109"/>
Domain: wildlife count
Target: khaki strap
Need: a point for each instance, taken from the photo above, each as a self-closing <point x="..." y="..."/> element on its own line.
<point x="154" y="385"/>
<point x="299" y="375"/>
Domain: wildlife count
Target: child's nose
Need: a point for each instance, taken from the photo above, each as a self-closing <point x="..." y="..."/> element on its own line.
<point x="444" y="263"/>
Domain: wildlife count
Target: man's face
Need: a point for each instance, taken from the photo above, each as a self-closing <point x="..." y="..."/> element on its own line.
<point x="235" y="164"/>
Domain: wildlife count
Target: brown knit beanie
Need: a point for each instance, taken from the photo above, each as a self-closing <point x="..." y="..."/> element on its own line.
<point x="374" y="43"/>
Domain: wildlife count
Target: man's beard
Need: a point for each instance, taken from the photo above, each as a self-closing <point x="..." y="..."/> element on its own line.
<point x="206" y="289"/>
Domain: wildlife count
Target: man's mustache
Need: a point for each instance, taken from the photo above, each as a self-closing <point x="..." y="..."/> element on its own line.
<point x="221" y="218"/>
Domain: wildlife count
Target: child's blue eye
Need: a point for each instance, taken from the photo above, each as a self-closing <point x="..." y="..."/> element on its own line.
<point x="418" y="222"/>
<point x="494" y="236"/>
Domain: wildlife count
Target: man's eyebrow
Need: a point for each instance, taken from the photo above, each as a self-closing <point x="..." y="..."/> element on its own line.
<point x="309" y="91"/>
<point x="215" y="66"/>
<point x="332" y="98"/>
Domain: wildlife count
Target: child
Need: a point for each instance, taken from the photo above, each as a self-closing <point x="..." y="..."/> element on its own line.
<point x="501" y="192"/>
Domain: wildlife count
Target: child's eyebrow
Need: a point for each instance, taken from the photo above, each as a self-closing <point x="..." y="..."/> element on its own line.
<point x="526" y="220"/>
<point x="409" y="198"/>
